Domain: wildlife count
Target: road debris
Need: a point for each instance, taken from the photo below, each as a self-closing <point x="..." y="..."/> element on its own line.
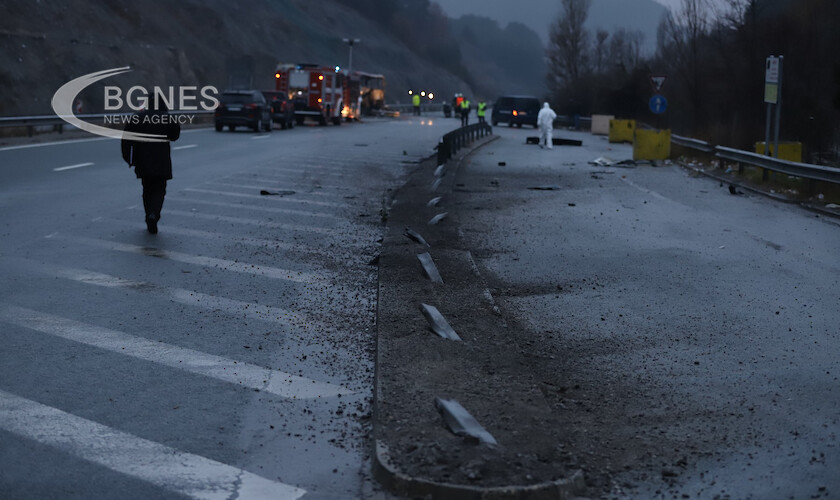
<point x="438" y="323"/>
<point x="275" y="193"/>
<point x="437" y="218"/>
<point x="414" y="235"/>
<point x="556" y="141"/>
<point x="429" y="267"/>
<point x="461" y="423"/>
<point x="548" y="187"/>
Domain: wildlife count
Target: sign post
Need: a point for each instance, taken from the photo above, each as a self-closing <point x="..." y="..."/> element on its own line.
<point x="773" y="97"/>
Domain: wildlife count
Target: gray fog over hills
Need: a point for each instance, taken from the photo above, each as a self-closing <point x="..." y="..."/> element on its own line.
<point x="642" y="15"/>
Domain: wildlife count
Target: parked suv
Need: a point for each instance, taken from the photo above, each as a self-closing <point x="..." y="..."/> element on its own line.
<point x="282" y="108"/>
<point x="243" y="108"/>
<point x="516" y="110"/>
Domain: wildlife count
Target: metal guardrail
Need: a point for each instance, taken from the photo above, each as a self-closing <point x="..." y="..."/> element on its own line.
<point x="796" y="169"/>
<point x="697" y="144"/>
<point x="451" y="142"/>
<point x="804" y="170"/>
<point x="30" y="122"/>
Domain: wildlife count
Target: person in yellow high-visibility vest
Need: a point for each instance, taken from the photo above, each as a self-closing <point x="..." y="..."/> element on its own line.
<point x="465" y="112"/>
<point x="482" y="109"/>
<point x="415" y="100"/>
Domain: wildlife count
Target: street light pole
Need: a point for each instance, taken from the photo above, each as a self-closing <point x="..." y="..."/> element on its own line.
<point x="350" y="42"/>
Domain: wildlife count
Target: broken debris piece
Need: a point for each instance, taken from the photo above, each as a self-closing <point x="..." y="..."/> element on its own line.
<point x="548" y="187"/>
<point x="556" y="141"/>
<point x="438" y="323"/>
<point x="429" y="267"/>
<point x="434" y="201"/>
<point x="437" y="218"/>
<point x="461" y="423"/>
<point x="275" y="193"/>
<point x="734" y="190"/>
<point x="414" y="235"/>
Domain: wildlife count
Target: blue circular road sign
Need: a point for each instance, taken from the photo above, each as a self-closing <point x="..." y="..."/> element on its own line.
<point x="658" y="104"/>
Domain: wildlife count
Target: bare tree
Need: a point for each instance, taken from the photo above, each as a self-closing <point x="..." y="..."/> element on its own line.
<point x="680" y="35"/>
<point x="568" y="50"/>
<point x="601" y="37"/>
<point x="625" y="49"/>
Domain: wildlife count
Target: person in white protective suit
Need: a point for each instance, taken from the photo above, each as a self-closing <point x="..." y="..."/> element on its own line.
<point x="545" y="120"/>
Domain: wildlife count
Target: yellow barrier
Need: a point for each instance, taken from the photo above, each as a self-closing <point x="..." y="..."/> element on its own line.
<point x="652" y="144"/>
<point x="622" y="130"/>
<point x="790" y="151"/>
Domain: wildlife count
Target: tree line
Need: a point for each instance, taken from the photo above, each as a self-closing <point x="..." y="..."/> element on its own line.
<point x="713" y="54"/>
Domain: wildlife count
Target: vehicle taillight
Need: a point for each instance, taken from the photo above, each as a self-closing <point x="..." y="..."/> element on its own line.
<point x="253" y="105"/>
<point x="515" y="113"/>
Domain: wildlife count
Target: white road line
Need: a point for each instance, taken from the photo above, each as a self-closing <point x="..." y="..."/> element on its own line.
<point x="274" y="199"/>
<point x="227" y="370"/>
<point x="288" y="183"/>
<point x="54" y="143"/>
<point x="273" y="184"/>
<point x="254" y="222"/>
<point x="298" y="246"/>
<point x="211" y="262"/>
<point x="185" y="146"/>
<point x="164" y="466"/>
<point x="314" y="171"/>
<point x="648" y="191"/>
<point x="260" y="208"/>
<point x="69" y="167"/>
<point x="272" y="314"/>
<point x="260" y="136"/>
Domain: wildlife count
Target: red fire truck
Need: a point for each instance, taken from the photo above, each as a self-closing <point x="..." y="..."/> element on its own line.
<point x="318" y="92"/>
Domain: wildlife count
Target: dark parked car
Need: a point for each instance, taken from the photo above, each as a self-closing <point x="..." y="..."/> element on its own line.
<point x="516" y="110"/>
<point x="282" y="108"/>
<point x="246" y="108"/>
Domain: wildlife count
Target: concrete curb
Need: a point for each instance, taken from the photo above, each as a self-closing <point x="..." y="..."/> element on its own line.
<point x="388" y="475"/>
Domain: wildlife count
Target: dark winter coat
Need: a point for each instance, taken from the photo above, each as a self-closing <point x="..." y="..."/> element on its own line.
<point x="151" y="159"/>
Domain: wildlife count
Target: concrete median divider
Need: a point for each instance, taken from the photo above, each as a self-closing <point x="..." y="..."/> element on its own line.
<point x="416" y="452"/>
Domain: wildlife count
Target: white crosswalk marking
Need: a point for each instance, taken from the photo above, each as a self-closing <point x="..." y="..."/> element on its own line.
<point x="275" y="199"/>
<point x="174" y="470"/>
<point x="279" y="186"/>
<point x="227" y="265"/>
<point x="265" y="379"/>
<point x="258" y="208"/>
<point x="271" y="314"/>
<point x="254" y="222"/>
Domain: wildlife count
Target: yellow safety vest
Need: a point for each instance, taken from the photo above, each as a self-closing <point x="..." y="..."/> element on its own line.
<point x="482" y="106"/>
<point x="416" y="99"/>
<point x="465" y="104"/>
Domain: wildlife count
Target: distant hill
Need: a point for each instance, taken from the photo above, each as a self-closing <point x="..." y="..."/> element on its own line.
<point x="642" y="15"/>
<point x="507" y="60"/>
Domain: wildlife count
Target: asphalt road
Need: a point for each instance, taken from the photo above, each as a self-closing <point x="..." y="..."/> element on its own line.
<point x="687" y="338"/>
<point x="230" y="354"/>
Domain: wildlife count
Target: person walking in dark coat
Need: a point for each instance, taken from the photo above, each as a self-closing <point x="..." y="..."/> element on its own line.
<point x="151" y="160"/>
